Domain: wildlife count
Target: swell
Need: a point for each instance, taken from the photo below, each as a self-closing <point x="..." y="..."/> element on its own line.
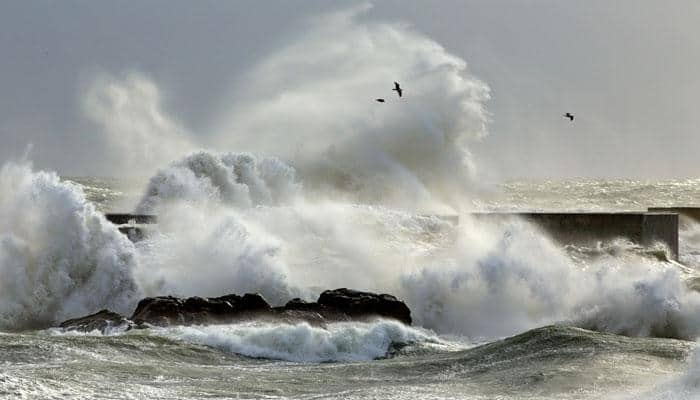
<point x="552" y="361"/>
<point x="362" y="341"/>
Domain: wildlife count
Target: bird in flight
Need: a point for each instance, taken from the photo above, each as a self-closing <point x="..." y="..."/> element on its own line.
<point x="569" y="116"/>
<point x="380" y="100"/>
<point x="397" y="88"/>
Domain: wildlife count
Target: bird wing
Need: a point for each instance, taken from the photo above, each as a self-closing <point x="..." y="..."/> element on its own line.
<point x="396" y="86"/>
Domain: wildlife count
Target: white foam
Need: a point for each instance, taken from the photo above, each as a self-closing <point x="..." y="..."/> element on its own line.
<point x="344" y="341"/>
<point x="313" y="102"/>
<point x="140" y="135"/>
<point x="234" y="179"/>
<point x="59" y="257"/>
<point x="211" y="252"/>
<point x="689" y="242"/>
<point x="478" y="280"/>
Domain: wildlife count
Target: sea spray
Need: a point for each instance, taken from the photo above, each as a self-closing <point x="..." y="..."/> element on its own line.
<point x="200" y="252"/>
<point x="59" y="257"/>
<point x="689" y="242"/>
<point x="523" y="280"/>
<point x="475" y="279"/>
<point x="128" y="109"/>
<point x="312" y="103"/>
<point x="234" y="179"/>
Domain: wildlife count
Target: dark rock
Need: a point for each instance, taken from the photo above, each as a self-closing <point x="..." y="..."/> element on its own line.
<point x="168" y="310"/>
<point x="161" y="310"/>
<point x="103" y="321"/>
<point x="301" y="307"/>
<point x="299" y="304"/>
<point x="253" y="302"/>
<point x="332" y="306"/>
<point x="363" y="304"/>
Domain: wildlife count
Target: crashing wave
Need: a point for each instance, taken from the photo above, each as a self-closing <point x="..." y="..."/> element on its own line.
<point x="59" y="257"/>
<point x="234" y="179"/>
<point x="342" y="341"/>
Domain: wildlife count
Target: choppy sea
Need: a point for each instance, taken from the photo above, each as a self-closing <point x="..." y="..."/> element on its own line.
<point x="519" y="317"/>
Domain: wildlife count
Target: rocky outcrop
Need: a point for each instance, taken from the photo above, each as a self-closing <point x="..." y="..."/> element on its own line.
<point x="332" y="306"/>
<point x="363" y="304"/>
<point x="168" y="310"/>
<point x="103" y="321"/>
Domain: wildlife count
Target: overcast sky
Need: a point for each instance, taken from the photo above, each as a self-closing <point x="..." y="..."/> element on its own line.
<point x="627" y="70"/>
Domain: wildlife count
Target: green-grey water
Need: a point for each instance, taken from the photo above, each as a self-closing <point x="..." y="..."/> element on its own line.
<point x="362" y="360"/>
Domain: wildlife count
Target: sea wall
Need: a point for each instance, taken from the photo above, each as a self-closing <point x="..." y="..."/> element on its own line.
<point x="643" y="228"/>
<point x="123" y="219"/>
<point x="689" y="212"/>
<point x="130" y="224"/>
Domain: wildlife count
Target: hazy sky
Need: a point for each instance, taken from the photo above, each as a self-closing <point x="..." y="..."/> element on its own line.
<point x="627" y="70"/>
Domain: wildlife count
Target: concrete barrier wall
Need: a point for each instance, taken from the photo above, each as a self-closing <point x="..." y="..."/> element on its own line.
<point x="123" y="219"/>
<point x="689" y="212"/>
<point x="130" y="224"/>
<point x="644" y="228"/>
<point x="661" y="227"/>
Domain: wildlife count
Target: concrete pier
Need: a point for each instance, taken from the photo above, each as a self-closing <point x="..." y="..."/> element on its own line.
<point x="129" y="224"/>
<point x="689" y="212"/>
<point x="642" y="228"/>
<point x="123" y="218"/>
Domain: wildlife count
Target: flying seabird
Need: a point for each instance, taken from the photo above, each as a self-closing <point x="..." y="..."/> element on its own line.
<point x="380" y="100"/>
<point x="569" y="116"/>
<point x="397" y="88"/>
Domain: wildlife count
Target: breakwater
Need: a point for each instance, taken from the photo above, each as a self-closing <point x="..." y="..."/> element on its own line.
<point x="642" y="228"/>
<point x="658" y="225"/>
<point x="692" y="213"/>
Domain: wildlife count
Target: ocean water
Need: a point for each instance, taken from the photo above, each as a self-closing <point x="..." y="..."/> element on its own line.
<point x="501" y="311"/>
<point x="315" y="185"/>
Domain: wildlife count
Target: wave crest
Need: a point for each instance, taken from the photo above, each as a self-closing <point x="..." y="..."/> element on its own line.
<point x="343" y="341"/>
<point x="59" y="257"/>
<point x="235" y="179"/>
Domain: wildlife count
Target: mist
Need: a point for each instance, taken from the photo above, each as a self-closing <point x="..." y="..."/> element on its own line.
<point x="625" y="69"/>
